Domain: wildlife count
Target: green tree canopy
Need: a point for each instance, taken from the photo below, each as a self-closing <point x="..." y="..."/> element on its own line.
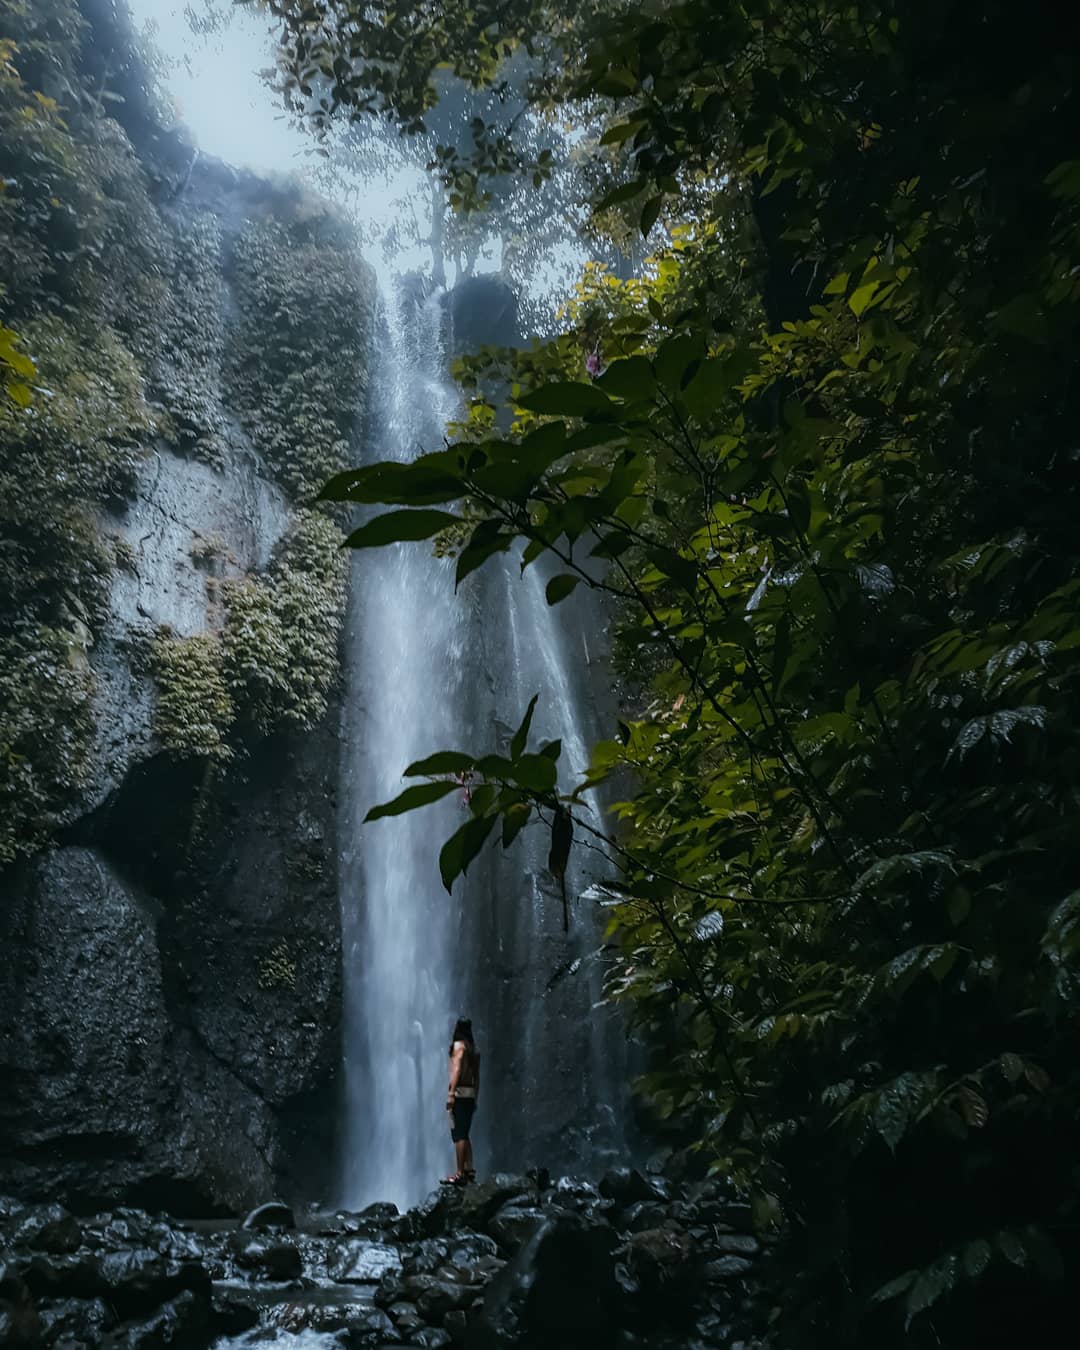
<point x="828" y="476"/>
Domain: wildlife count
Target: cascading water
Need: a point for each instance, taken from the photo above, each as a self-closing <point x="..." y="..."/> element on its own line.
<point x="429" y="669"/>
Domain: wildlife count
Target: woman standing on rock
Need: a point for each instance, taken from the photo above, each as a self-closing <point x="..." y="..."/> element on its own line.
<point x="461" y="1097"/>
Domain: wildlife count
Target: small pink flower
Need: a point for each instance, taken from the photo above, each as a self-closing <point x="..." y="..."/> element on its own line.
<point x="592" y="363"/>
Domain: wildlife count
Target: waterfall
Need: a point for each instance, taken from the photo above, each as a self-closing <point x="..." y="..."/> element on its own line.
<point x="430" y="669"/>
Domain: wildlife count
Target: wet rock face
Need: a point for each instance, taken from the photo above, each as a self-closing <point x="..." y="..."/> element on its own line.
<point x="580" y="1280"/>
<point x="171" y="984"/>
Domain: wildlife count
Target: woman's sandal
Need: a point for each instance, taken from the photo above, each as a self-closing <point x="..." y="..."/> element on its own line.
<point x="458" y="1179"/>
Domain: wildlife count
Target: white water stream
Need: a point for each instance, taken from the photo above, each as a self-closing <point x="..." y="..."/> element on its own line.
<point x="430" y="670"/>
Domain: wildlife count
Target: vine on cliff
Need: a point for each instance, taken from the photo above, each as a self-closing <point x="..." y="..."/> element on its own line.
<point x="297" y="369"/>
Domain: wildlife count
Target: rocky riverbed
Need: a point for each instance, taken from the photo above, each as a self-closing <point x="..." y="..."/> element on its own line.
<point x="515" y="1261"/>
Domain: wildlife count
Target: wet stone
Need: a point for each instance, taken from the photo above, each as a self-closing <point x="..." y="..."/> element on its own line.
<point x="643" y="1215"/>
<point x="391" y="1290"/>
<point x="360" y="1262"/>
<point x="278" y="1261"/>
<point x="626" y="1186"/>
<point x="432" y="1338"/>
<point x="274" y="1214"/>
<point x="452" y="1274"/>
<point x="468" y="1249"/>
<point x="575" y="1194"/>
<point x="182" y="1321"/>
<point x="72" y="1321"/>
<point x="455" y="1324"/>
<point x="405" y="1317"/>
<point x="513" y="1226"/>
<point x="736" y="1244"/>
<point x="434" y="1298"/>
<point x="727" y="1268"/>
<point x="739" y="1216"/>
<point x="425" y="1257"/>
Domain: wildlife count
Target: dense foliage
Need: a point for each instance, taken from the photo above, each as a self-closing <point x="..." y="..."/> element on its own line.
<point x="129" y="319"/>
<point x="829" y="474"/>
<point x="77" y="238"/>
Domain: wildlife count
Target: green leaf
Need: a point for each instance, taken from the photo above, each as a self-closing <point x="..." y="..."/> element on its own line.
<point x="1023" y="317"/>
<point x="420" y="795"/>
<point x="566" y="398"/>
<point x="391" y="483"/>
<point x="1012" y="1248"/>
<point x="397" y="526"/>
<point x="558" y="588"/>
<point x="462" y="847"/>
<point x="674" y="359"/>
<point x="521" y="736"/>
<point x="976" y="1258"/>
<point x="625" y="192"/>
<point x="538" y="773"/>
<point x="562" y="836"/>
<point x="894" y="1288"/>
<point x="444" y="761"/>
<point x="650" y="213"/>
<point x="486" y="540"/>
<point x="621" y="131"/>
<point x="899" y="1103"/>
<point x="930" y="1285"/>
<point x="631" y="379"/>
<point x="515" y="818"/>
<point x="861" y="297"/>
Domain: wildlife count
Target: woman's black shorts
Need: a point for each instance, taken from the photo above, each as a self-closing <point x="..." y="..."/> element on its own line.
<point x="461" y="1118"/>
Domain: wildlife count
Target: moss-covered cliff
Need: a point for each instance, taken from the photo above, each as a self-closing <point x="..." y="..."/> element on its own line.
<point x="170" y="609"/>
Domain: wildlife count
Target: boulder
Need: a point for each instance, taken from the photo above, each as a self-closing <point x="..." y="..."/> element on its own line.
<point x="405" y="1317"/>
<point x="135" y="1282"/>
<point x="371" y="1326"/>
<point x="232" y="1316"/>
<point x="435" y="1298"/>
<point x="73" y="1321"/>
<point x="432" y="1338"/>
<point x="183" y="1322"/>
<point x="274" y="1214"/>
<point x="455" y="1324"/>
<point x="19" y="1323"/>
<point x="454" y="1274"/>
<point x="360" y="1262"/>
<point x="626" y="1186"/>
<point x="737" y="1215"/>
<point x="391" y="1290"/>
<point x="643" y="1215"/>
<point x="269" y="1260"/>
<point x="573" y="1193"/>
<point x="736" y="1244"/>
<point x="424" y="1257"/>
<point x="659" y="1259"/>
<point x="559" y="1289"/>
<point x="46" y="1228"/>
<point x="467" y="1249"/>
<point x="514" y="1225"/>
<point x="451" y="1209"/>
<point x="727" y="1268"/>
<point x="379" y="1215"/>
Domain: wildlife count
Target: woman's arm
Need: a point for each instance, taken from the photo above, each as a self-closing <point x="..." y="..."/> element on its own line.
<point x="457" y="1058"/>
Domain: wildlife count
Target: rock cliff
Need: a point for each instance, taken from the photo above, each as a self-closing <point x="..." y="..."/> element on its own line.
<point x="169" y="998"/>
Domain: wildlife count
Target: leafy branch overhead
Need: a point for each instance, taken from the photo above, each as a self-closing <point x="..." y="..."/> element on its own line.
<point x="820" y="457"/>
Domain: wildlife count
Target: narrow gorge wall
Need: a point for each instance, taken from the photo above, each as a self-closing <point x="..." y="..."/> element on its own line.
<point x="169" y="631"/>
